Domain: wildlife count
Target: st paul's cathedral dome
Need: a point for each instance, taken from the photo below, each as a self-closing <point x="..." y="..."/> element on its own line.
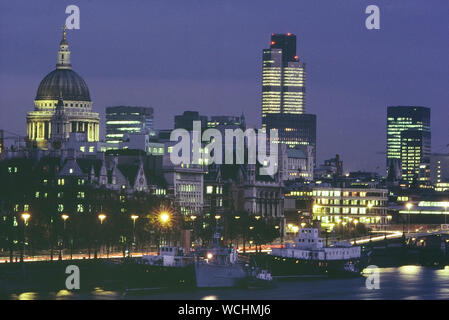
<point x="62" y="105"/>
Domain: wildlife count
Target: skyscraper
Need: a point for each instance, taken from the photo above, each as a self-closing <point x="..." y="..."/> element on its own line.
<point x="415" y="158"/>
<point x="399" y="119"/>
<point x="283" y="78"/>
<point x="121" y="120"/>
<point x="283" y="94"/>
<point x="294" y="129"/>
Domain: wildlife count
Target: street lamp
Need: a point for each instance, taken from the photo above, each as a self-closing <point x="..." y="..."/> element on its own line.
<point x="25" y="216"/>
<point x="101" y="217"/>
<point x="64" y="218"/>
<point x="134" y="218"/>
<point x="164" y="217"/>
<point x="408" y="205"/>
<point x="295" y="229"/>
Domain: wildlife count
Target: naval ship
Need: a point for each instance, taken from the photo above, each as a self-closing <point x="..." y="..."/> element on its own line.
<point x="309" y="256"/>
<point x="218" y="267"/>
<point x="170" y="268"/>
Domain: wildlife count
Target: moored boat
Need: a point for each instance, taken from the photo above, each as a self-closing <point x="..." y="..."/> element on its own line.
<point x="218" y="266"/>
<point x="309" y="256"/>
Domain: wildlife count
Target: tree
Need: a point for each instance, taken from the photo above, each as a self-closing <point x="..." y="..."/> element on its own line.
<point x="263" y="231"/>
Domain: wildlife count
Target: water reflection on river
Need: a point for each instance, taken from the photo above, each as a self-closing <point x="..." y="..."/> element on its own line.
<point x="407" y="282"/>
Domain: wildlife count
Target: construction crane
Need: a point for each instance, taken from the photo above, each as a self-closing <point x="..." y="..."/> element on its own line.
<point x="17" y="137"/>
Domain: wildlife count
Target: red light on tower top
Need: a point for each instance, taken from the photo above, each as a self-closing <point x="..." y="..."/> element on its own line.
<point x="289" y="34"/>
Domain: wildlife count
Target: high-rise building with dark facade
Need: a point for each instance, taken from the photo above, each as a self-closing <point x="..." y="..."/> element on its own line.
<point x="283" y="78"/>
<point x="185" y="121"/>
<point x="121" y="120"/>
<point x="399" y="119"/>
<point x="294" y="129"/>
<point x="227" y="122"/>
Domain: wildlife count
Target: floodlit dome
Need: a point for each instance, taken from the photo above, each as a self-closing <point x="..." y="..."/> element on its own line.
<point x="63" y="83"/>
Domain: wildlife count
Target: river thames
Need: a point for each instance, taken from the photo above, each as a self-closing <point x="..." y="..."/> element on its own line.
<point x="406" y="282"/>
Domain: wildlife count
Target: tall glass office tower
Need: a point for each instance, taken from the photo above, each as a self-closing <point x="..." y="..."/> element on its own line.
<point x="400" y="119"/>
<point x="123" y="120"/>
<point x="283" y="78"/>
<point x="415" y="158"/>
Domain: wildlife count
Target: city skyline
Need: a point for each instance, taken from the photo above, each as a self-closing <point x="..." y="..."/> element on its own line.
<point x="209" y="90"/>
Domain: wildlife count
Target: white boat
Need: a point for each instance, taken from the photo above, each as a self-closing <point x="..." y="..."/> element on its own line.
<point x="309" y="255"/>
<point x="168" y="257"/>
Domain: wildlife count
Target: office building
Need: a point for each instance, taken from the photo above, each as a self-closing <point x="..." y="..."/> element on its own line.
<point x="122" y="121"/>
<point x="333" y="206"/>
<point x="300" y="163"/>
<point x="439" y="168"/>
<point x="401" y="118"/>
<point x="227" y="122"/>
<point x="283" y="78"/>
<point x="185" y="121"/>
<point x="293" y="130"/>
<point x="283" y="94"/>
<point x="415" y="158"/>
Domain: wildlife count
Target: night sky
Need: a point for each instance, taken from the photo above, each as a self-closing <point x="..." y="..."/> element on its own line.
<point x="206" y="55"/>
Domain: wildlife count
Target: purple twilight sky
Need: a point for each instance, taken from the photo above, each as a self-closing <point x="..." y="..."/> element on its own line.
<point x="205" y="55"/>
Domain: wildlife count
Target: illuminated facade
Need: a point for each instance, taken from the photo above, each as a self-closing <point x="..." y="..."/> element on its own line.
<point x="122" y="120"/>
<point x="333" y="206"/>
<point x="185" y="184"/>
<point x="439" y="168"/>
<point x="62" y="106"/>
<point x="434" y="210"/>
<point x="283" y="78"/>
<point x="399" y="119"/>
<point x="300" y="163"/>
<point x="415" y="158"/>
